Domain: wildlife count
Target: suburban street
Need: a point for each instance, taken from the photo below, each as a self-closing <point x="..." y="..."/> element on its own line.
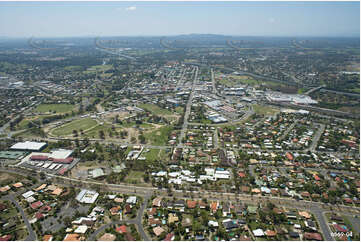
<point x="318" y="208"/>
<point x="137" y="221"/>
<point x="32" y="235"/>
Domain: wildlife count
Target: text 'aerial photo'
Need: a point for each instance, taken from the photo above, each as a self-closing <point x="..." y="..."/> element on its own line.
<point x="179" y="121"/>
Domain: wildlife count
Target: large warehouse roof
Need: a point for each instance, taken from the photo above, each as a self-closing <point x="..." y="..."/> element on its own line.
<point x="28" y="145"/>
<point x="60" y="154"/>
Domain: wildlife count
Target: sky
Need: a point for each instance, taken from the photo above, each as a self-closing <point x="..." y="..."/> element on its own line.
<point x="66" y="19"/>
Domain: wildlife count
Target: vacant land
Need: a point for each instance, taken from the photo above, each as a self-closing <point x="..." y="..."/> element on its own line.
<point x="154" y="109"/>
<point x="54" y="108"/>
<point x="159" y="136"/>
<point x="179" y="110"/>
<point x="99" y="68"/>
<point x="151" y="155"/>
<point x="134" y="177"/>
<point x="67" y="129"/>
<point x="259" y="109"/>
<point x="6" y="178"/>
<point x="231" y="81"/>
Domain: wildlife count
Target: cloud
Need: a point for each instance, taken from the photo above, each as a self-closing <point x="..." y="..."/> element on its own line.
<point x="271" y="20"/>
<point x="132" y="8"/>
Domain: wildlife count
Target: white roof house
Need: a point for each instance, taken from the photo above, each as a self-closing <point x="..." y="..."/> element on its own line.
<point x="174" y="174"/>
<point x="87" y="196"/>
<point x="209" y="171"/>
<point x="266" y="190"/>
<point x="212" y="223"/>
<point x="98" y="172"/>
<point x="81" y="229"/>
<point x="175" y="181"/>
<point x="159" y="173"/>
<point x="28" y="194"/>
<point x="30" y="199"/>
<point x="132" y="200"/>
<point x="258" y="232"/>
<point x="221" y="176"/>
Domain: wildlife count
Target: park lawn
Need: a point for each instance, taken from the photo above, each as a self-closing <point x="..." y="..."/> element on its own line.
<point x="159" y="136"/>
<point x="6" y="178"/>
<point x="163" y="155"/>
<point x="134" y="177"/>
<point x="301" y="90"/>
<point x="259" y="109"/>
<point x="23" y="124"/>
<point x="154" y="109"/>
<point x="97" y="68"/>
<point x="179" y="110"/>
<point x="83" y="124"/>
<point x="94" y="132"/>
<point x="356" y="90"/>
<point x="58" y="108"/>
<point x="73" y="68"/>
<point x="12" y="212"/>
<point x="151" y="155"/>
<point x="206" y="121"/>
<point x="236" y="81"/>
<point x="106" y="75"/>
<point x="21" y="233"/>
<point x="132" y="124"/>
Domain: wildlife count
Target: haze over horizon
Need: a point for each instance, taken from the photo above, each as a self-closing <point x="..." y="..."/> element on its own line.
<point x="83" y="19"/>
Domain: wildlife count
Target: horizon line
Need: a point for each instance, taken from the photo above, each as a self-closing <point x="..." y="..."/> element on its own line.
<point x="165" y="35"/>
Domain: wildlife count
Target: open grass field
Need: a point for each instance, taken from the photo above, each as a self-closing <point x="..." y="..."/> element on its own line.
<point x="58" y="108"/>
<point x="154" y="109"/>
<point x="132" y="124"/>
<point x="67" y="129"/>
<point x="259" y="109"/>
<point x="73" y="68"/>
<point x="98" y="68"/>
<point x="151" y="155"/>
<point x="23" y="124"/>
<point x="94" y="132"/>
<point x="134" y="177"/>
<point x="159" y="136"/>
<point x="179" y="110"/>
<point x="6" y="178"/>
<point x="234" y="80"/>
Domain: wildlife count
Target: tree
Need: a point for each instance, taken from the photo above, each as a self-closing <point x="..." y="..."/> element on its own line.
<point x="101" y="134"/>
<point x="141" y="139"/>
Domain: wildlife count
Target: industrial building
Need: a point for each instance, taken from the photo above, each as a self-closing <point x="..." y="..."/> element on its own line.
<point x="29" y="146"/>
<point x="57" y="161"/>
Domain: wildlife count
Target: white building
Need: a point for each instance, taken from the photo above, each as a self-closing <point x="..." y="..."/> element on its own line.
<point x="132" y="200"/>
<point x="28" y="145"/>
<point x="87" y="196"/>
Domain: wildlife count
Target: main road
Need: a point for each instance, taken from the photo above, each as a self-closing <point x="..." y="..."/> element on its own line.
<point x="188" y="110"/>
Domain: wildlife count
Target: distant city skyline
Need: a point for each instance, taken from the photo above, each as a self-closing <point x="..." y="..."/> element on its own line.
<point x="81" y="19"/>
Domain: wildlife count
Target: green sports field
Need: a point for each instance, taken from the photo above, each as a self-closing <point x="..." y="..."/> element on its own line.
<point x="67" y="129"/>
<point x="58" y="108"/>
<point x="155" y="109"/>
